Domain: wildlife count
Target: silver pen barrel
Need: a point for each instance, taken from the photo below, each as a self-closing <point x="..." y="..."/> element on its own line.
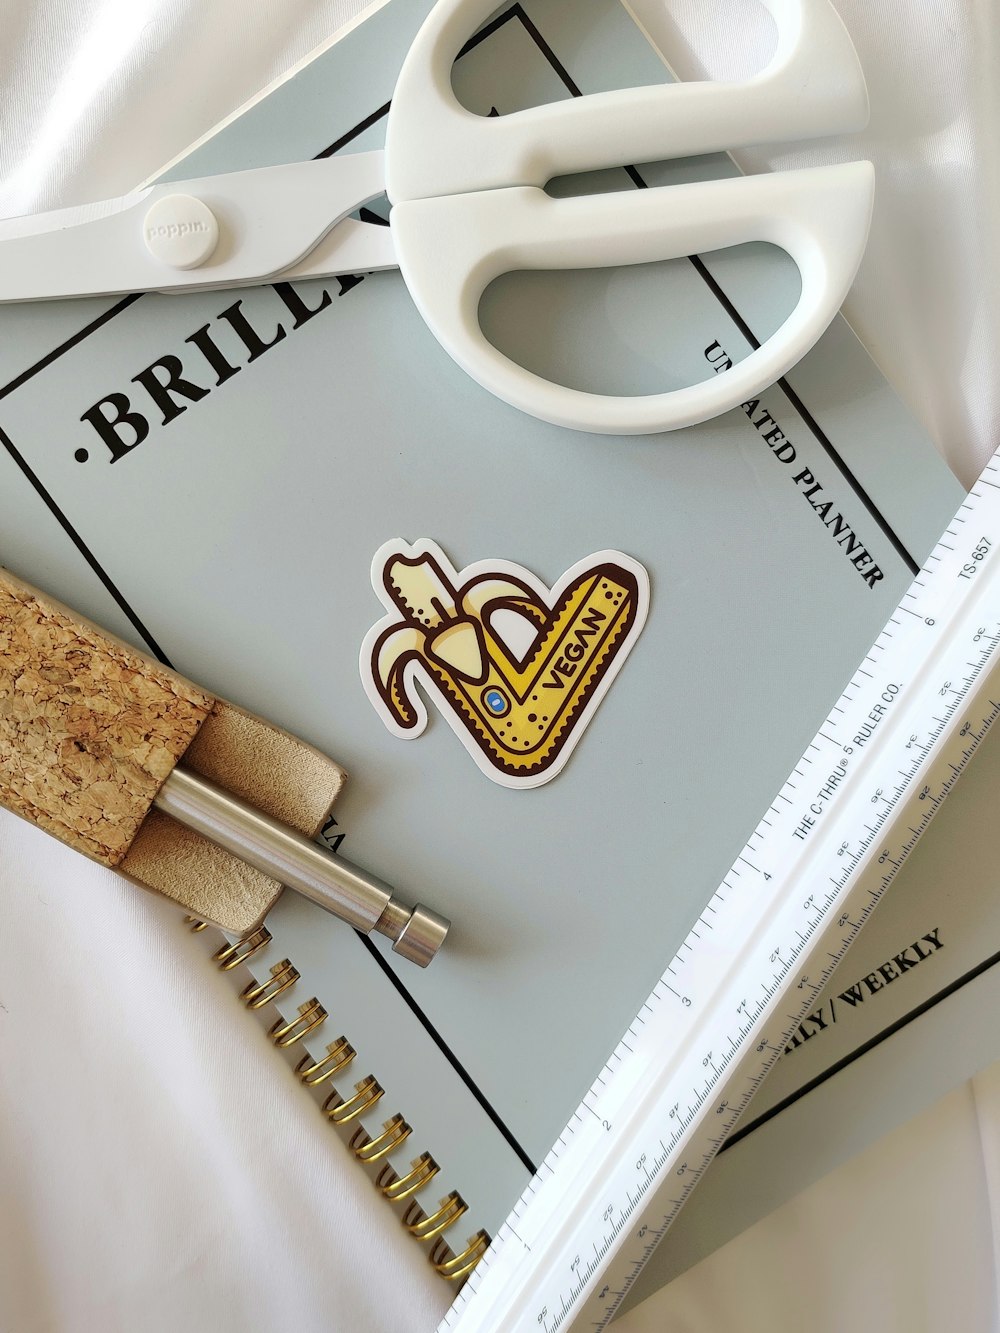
<point x="283" y="853"/>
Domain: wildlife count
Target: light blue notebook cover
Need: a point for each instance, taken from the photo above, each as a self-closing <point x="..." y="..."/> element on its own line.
<point x="236" y="536"/>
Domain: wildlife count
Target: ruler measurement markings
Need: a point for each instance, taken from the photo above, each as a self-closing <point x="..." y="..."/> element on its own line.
<point x="936" y="775"/>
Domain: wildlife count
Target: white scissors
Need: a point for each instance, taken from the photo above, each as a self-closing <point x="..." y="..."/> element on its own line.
<point x="468" y="205"/>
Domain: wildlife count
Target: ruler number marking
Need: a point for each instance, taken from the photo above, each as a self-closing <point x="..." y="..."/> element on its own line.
<point x="741" y="1050"/>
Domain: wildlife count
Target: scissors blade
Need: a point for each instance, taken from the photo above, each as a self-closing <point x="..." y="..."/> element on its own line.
<point x="350" y="247"/>
<point x="29" y="224"/>
<point x="242" y="228"/>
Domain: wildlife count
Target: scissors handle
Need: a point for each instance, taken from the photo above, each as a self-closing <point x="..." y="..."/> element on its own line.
<point x="451" y="249"/>
<point x="434" y="146"/>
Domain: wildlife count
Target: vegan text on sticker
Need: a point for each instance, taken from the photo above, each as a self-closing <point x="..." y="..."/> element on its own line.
<point x="517" y="669"/>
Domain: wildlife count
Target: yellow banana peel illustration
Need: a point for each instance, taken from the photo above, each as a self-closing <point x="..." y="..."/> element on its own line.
<point x="516" y="669"/>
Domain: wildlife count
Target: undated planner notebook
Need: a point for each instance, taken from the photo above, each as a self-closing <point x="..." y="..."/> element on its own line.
<point x="213" y="475"/>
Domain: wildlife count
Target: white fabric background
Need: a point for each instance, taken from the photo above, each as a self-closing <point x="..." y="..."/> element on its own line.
<point x="904" y="1237"/>
<point x="157" y="1167"/>
<point x="926" y="303"/>
<point x="160" y="1168"/>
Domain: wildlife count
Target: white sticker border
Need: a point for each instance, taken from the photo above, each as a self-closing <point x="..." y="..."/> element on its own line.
<point x="416" y="674"/>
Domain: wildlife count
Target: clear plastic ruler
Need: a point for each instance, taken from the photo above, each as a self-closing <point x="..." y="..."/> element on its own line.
<point x="826" y="850"/>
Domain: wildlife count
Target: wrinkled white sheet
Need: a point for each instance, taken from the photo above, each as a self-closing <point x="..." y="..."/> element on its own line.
<point x="904" y="1237"/>
<point x="926" y="303"/>
<point x="158" y="1168"/>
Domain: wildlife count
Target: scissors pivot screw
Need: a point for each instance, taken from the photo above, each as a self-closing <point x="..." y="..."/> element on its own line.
<point x="180" y="231"/>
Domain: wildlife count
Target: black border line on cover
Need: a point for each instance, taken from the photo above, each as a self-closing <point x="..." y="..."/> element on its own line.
<point x="515" y="12"/>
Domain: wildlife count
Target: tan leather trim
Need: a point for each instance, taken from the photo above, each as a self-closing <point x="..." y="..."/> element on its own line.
<point x="271" y="769"/>
<point x="89" y="730"/>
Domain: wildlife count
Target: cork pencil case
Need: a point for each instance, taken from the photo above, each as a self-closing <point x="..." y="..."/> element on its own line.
<point x="90" y="728"/>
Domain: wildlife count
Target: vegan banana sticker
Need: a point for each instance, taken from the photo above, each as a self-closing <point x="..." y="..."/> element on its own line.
<point x="517" y="669"/>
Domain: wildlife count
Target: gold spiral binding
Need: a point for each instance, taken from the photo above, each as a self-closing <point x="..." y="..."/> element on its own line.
<point x="426" y="1226"/>
<point x="396" y="1187"/>
<point x="310" y="1016"/>
<point x="395" y="1131"/>
<point x="257" y="994"/>
<point x="195" y="924"/>
<point x="231" y="955"/>
<point x="454" y="1267"/>
<point x="339" y="1055"/>
<point x="366" y="1094"/>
